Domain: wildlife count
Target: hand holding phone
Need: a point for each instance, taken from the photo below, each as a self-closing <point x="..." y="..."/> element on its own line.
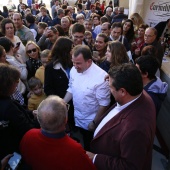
<point x="17" y="44"/>
<point x="14" y="161"/>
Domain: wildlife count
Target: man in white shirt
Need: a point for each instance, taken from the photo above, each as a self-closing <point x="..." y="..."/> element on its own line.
<point x="89" y="90"/>
<point x="124" y="136"/>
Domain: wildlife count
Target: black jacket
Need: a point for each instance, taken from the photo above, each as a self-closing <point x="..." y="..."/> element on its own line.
<point x="20" y="121"/>
<point x="56" y="81"/>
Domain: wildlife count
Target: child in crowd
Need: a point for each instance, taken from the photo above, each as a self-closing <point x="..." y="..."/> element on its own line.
<point x="44" y="60"/>
<point x="37" y="93"/>
<point x="44" y="16"/>
<point x="41" y="27"/>
<point x="89" y="39"/>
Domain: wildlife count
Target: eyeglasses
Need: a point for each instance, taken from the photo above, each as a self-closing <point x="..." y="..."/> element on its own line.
<point x="148" y="36"/>
<point x="68" y="106"/>
<point x="78" y="37"/>
<point x="32" y="50"/>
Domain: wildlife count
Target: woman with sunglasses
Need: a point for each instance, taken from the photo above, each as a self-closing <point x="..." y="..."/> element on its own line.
<point x="8" y="29"/>
<point x="34" y="62"/>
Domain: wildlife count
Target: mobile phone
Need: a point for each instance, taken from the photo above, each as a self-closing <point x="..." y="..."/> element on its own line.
<point x="14" y="161"/>
<point x="95" y="54"/>
<point x="18" y="44"/>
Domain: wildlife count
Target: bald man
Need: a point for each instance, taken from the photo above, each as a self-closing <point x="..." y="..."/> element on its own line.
<point x="150" y="39"/>
<point x="49" y="147"/>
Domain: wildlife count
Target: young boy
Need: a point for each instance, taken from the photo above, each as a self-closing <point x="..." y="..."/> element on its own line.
<point x="37" y="93"/>
<point x="41" y="27"/>
<point x="44" y="60"/>
<point x="44" y="17"/>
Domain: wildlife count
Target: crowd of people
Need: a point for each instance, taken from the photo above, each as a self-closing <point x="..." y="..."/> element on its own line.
<point x="88" y="68"/>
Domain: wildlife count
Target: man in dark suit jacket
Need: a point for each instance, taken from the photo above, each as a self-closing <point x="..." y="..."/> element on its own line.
<point x="124" y="136"/>
<point x="161" y="26"/>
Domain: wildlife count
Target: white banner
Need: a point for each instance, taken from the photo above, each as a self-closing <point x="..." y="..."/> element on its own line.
<point x="156" y="11"/>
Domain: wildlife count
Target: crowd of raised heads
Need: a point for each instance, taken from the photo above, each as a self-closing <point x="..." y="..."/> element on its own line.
<point x="40" y="49"/>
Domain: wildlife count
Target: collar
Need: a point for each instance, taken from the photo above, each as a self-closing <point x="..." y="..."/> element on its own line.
<point x="58" y="66"/>
<point x="53" y="135"/>
<point x="114" y="39"/>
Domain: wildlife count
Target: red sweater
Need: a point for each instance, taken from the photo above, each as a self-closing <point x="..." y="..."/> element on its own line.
<point x="41" y="152"/>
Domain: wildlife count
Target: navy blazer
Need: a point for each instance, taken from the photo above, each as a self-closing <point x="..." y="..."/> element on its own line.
<point x="125" y="142"/>
<point x="46" y="19"/>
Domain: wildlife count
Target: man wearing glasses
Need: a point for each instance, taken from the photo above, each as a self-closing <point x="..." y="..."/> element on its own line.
<point x="78" y="31"/>
<point x="150" y="39"/>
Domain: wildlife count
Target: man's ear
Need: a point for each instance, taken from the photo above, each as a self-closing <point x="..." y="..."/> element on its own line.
<point x="123" y="92"/>
<point x="145" y="75"/>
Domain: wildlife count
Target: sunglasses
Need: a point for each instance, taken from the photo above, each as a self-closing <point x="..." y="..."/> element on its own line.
<point x="32" y="50"/>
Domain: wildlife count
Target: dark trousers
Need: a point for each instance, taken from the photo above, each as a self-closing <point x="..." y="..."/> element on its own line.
<point x="87" y="138"/>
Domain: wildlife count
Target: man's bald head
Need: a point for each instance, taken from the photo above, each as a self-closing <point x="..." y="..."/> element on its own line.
<point x="52" y="114"/>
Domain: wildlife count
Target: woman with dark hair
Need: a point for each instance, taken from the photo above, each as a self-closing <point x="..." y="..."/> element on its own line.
<point x="100" y="46"/>
<point x="18" y="120"/>
<point x="15" y="61"/>
<point x="138" y="43"/>
<point x="60" y="30"/>
<point x="128" y="30"/>
<point x="8" y="29"/>
<point x="57" y="71"/>
<point x="2" y="55"/>
<point x="96" y="20"/>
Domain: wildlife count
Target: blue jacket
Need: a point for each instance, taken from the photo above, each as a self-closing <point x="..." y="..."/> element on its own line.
<point x="45" y="19"/>
<point x="157" y="91"/>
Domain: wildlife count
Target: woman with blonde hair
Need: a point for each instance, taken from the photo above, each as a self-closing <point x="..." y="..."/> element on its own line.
<point x="137" y="20"/>
<point x="34" y="62"/>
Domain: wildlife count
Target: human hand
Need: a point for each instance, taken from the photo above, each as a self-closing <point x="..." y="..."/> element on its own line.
<point x="47" y="32"/>
<point x="90" y="155"/>
<point x="96" y="56"/>
<point x="19" y="58"/>
<point x="29" y="94"/>
<point x="91" y="126"/>
<point x="106" y="78"/>
<point x="5" y="160"/>
<point x="35" y="112"/>
<point x="133" y="44"/>
<point x="137" y="51"/>
<point x="15" y="49"/>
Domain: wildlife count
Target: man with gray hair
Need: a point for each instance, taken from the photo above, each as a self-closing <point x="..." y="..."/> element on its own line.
<point x="50" y="147"/>
<point x="65" y="24"/>
<point x="120" y="16"/>
<point x="108" y="14"/>
<point x="57" y="19"/>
